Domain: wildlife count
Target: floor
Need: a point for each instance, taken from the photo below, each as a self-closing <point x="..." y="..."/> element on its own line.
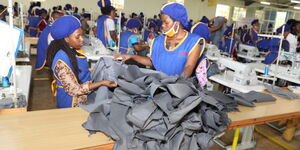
<point x="41" y="98"/>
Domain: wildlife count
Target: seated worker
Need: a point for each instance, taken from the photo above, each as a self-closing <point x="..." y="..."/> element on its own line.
<point x="228" y="45"/>
<point x="43" y="42"/>
<point x="201" y="29"/>
<point x="105" y="30"/>
<point x="251" y="37"/>
<point x="150" y="34"/>
<point x="274" y="44"/>
<point x="84" y="23"/>
<point x="70" y="67"/>
<point x="167" y="55"/>
<point x="34" y="20"/>
<point x="129" y="41"/>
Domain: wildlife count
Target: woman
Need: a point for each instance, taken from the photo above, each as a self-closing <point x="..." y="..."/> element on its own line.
<point x="105" y="30"/>
<point x="177" y="51"/>
<point x="129" y="42"/>
<point x="150" y="34"/>
<point x="251" y="37"/>
<point x="69" y="66"/>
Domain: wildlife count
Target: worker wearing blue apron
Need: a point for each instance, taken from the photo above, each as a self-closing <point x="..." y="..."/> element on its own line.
<point x="108" y="12"/>
<point x="274" y="44"/>
<point x="226" y="45"/>
<point x="167" y="56"/>
<point x="34" y="20"/>
<point x="251" y="37"/>
<point x="43" y="42"/>
<point x="202" y="29"/>
<point x="64" y="50"/>
<point x="150" y="32"/>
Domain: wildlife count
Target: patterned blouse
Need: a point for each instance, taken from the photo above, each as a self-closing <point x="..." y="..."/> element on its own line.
<point x="71" y="85"/>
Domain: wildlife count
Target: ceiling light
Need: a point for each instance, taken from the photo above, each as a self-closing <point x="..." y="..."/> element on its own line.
<point x="294" y="1"/>
<point x="265" y="3"/>
<point x="295" y="7"/>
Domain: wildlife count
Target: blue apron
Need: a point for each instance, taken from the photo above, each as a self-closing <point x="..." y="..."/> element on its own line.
<point x="146" y="35"/>
<point x="63" y="99"/>
<point x="33" y="26"/>
<point x="272" y="54"/>
<point x="101" y="31"/>
<point x="263" y="45"/>
<point x="124" y="43"/>
<point x="227" y="47"/>
<point x="247" y="39"/>
<point x="202" y="30"/>
<point x="42" y="46"/>
<point x="172" y="62"/>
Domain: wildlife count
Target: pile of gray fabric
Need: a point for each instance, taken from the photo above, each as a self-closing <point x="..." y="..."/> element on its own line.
<point x="150" y="110"/>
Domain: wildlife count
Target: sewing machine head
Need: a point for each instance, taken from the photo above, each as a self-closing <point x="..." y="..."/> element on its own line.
<point x="250" y="51"/>
<point x="212" y="50"/>
<point x="243" y="73"/>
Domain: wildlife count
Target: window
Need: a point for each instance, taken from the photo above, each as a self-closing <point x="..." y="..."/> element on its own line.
<point x="223" y="10"/>
<point x="280" y="18"/>
<point x="239" y="13"/>
<point x="118" y="4"/>
<point x="177" y="1"/>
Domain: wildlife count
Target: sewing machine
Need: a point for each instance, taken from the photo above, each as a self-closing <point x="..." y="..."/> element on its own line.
<point x="212" y="50"/>
<point x="243" y="73"/>
<point x="250" y="51"/>
<point x="293" y="69"/>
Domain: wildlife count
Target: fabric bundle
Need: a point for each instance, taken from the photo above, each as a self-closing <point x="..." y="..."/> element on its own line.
<point x="150" y="110"/>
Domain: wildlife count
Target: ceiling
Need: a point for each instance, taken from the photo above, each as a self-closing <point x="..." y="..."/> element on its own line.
<point x="275" y="3"/>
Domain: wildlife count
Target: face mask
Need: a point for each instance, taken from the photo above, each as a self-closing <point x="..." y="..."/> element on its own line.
<point x="171" y="32"/>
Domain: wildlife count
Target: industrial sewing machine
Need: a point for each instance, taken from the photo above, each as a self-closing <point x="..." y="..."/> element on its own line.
<point x="293" y="69"/>
<point x="243" y="73"/>
<point x="212" y="50"/>
<point x="250" y="51"/>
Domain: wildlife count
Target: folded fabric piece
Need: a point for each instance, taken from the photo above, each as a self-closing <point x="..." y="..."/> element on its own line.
<point x="150" y="110"/>
<point x="280" y="92"/>
<point x="229" y="103"/>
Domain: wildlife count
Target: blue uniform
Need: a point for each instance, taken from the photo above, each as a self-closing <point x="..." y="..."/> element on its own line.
<point x="172" y="62"/>
<point x="202" y="30"/>
<point x="227" y="47"/>
<point x="247" y="38"/>
<point x="101" y="31"/>
<point x="33" y="26"/>
<point x="127" y="40"/>
<point x="272" y="54"/>
<point x="63" y="99"/>
<point x="146" y="35"/>
<point x="42" y="46"/>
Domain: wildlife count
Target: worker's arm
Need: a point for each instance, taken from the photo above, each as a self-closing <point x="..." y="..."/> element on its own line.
<point x="140" y="46"/>
<point x="211" y="29"/>
<point x="140" y="59"/>
<point x="113" y="35"/>
<point x="192" y="60"/>
<point x="251" y="36"/>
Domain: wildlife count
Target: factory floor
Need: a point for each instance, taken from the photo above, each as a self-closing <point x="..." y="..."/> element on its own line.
<point x="41" y="98"/>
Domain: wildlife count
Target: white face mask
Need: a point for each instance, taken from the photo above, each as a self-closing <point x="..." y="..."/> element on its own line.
<point x="172" y="31"/>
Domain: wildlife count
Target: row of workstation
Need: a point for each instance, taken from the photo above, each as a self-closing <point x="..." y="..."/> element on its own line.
<point x="243" y="77"/>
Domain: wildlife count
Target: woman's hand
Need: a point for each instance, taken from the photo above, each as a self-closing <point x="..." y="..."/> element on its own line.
<point x="109" y="84"/>
<point x="124" y="57"/>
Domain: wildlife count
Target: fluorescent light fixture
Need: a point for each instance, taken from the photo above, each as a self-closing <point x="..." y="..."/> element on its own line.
<point x="265" y="3"/>
<point x="295" y="7"/>
<point x="294" y="1"/>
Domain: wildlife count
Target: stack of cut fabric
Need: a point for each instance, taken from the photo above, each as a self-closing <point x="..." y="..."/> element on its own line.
<point x="150" y="110"/>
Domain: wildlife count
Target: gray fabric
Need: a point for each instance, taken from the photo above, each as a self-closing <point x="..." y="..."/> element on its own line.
<point x="283" y="93"/>
<point x="254" y="96"/>
<point x="8" y="102"/>
<point x="229" y="103"/>
<point x="150" y="110"/>
<point x="216" y="36"/>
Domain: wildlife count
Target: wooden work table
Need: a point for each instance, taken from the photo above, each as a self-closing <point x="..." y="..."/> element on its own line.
<point x="61" y="128"/>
